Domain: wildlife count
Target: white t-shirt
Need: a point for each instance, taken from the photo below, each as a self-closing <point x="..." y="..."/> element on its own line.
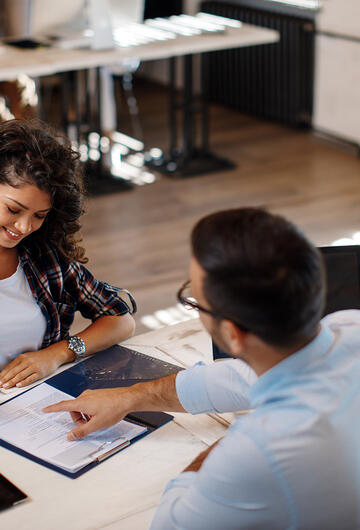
<point x="22" y="324"/>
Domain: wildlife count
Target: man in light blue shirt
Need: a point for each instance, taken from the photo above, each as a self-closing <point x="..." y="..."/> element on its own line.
<point x="292" y="462"/>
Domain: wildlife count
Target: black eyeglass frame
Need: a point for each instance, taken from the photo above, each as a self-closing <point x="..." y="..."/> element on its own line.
<point x="194" y="305"/>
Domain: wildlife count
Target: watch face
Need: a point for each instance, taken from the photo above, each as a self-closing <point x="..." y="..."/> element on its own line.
<point x="77" y="345"/>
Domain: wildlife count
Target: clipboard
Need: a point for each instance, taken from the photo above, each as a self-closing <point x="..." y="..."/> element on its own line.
<point x="116" y="366"/>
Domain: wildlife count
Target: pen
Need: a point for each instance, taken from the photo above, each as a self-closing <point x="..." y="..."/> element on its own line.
<point x="222" y="420"/>
<point x="85" y="417"/>
<point x="219" y="419"/>
<point x="125" y="443"/>
<point x="111" y="452"/>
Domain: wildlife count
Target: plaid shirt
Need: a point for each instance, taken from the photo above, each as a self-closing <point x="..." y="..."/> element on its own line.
<point x="60" y="289"/>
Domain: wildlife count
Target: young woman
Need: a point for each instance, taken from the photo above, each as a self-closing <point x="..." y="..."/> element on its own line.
<point x="42" y="278"/>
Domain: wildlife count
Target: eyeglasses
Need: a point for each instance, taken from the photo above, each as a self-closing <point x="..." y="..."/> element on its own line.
<point x="190" y="303"/>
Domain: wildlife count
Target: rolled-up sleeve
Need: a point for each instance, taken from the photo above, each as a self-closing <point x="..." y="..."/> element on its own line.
<point x="219" y="387"/>
<point x="94" y="298"/>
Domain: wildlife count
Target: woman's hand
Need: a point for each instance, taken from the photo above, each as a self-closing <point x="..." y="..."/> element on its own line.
<point x="31" y="366"/>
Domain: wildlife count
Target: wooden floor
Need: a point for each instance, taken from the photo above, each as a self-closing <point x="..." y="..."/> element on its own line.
<point x="139" y="239"/>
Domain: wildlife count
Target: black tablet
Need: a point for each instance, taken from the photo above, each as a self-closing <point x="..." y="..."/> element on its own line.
<point x="9" y="493"/>
<point x="25" y="43"/>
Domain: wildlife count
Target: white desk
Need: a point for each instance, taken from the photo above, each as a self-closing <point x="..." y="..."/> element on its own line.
<point x="186" y="155"/>
<point x="123" y="491"/>
<point x="47" y="61"/>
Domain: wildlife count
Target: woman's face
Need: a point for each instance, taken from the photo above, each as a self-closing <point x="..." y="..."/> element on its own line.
<point x="22" y="211"/>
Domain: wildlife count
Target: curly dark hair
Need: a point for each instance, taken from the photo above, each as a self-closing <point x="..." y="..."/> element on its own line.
<point x="33" y="153"/>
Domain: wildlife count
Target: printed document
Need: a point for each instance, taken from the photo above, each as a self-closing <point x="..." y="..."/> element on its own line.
<point x="24" y="425"/>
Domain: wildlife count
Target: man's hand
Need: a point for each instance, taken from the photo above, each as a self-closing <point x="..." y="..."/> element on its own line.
<point x="103" y="408"/>
<point x="94" y="410"/>
<point x="29" y="367"/>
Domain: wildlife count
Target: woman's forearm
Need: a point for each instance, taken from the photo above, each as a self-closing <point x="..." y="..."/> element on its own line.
<point x="31" y="366"/>
<point x="101" y="334"/>
<point x="106" y="331"/>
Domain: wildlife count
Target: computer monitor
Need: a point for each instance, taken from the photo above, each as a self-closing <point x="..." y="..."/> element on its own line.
<point x="343" y="282"/>
<point x="343" y="277"/>
<point x="31" y="18"/>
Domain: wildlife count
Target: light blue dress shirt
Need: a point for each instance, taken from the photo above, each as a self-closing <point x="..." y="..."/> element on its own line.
<point x="292" y="463"/>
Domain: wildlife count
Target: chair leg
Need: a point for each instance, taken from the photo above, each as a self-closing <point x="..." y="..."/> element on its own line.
<point x="127" y="84"/>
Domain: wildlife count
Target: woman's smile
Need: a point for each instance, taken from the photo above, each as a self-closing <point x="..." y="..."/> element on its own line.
<point x="22" y="211"/>
<point x="15" y="236"/>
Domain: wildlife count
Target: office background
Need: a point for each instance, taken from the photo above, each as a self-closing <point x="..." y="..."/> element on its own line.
<point x="304" y="165"/>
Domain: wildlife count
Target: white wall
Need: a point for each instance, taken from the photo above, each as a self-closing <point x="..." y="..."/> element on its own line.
<point x="337" y="69"/>
<point x="337" y="93"/>
<point x="339" y="16"/>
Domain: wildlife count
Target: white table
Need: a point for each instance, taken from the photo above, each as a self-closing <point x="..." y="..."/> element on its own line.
<point x="186" y="155"/>
<point x="121" y="492"/>
<point x="47" y="61"/>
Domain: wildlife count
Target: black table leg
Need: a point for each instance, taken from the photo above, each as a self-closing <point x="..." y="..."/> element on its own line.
<point x="189" y="159"/>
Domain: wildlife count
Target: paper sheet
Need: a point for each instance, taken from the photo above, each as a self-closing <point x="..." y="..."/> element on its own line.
<point x="189" y="348"/>
<point x="23" y="424"/>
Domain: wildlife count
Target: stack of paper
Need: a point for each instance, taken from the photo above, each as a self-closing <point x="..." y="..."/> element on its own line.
<point x="25" y="426"/>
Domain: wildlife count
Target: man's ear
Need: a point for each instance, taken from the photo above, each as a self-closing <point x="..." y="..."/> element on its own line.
<point x="233" y="336"/>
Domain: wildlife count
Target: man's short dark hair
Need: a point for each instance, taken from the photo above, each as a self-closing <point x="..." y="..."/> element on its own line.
<point x="262" y="273"/>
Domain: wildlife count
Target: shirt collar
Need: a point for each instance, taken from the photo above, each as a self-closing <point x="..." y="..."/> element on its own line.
<point x="291" y="366"/>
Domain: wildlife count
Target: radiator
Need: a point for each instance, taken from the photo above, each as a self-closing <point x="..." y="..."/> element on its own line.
<point x="272" y="81"/>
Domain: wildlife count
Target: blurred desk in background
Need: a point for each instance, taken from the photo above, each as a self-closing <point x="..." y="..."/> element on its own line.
<point x="186" y="155"/>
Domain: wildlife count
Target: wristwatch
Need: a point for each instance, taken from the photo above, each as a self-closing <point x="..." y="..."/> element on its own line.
<point x="77" y="345"/>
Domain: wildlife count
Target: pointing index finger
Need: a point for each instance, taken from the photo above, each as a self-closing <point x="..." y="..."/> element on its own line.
<point x="63" y="406"/>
